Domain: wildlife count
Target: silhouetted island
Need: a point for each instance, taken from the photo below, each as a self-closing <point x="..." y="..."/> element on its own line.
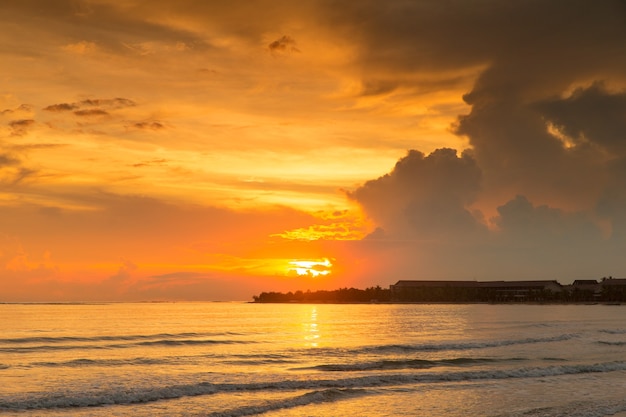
<point x="341" y="295"/>
<point x="606" y="290"/>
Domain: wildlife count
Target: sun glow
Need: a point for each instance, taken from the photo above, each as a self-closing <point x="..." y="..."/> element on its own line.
<point x="311" y="268"/>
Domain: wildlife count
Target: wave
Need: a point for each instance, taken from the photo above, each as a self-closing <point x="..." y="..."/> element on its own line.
<point x="435" y="347"/>
<point x="259" y="362"/>
<point x="605" y="342"/>
<point x="135" y="394"/>
<point x="613" y="331"/>
<point x="405" y="364"/>
<point x="143" y="361"/>
<point x="83" y="362"/>
<point x="168" y="342"/>
<point x="315" y="397"/>
<point x="66" y="339"/>
<point x="73" y="343"/>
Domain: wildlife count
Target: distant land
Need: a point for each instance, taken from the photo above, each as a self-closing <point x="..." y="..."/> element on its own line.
<point x="342" y="295"/>
<point x="607" y="290"/>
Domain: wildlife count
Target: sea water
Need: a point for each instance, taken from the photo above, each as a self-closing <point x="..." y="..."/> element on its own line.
<point x="241" y="359"/>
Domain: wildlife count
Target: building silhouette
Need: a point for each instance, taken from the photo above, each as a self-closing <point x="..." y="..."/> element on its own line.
<point x="587" y="290"/>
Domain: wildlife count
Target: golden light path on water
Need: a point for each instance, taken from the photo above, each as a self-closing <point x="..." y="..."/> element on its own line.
<point x="311" y="329"/>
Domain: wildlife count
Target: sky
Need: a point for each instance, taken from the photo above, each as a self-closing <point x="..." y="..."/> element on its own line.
<point x="211" y="150"/>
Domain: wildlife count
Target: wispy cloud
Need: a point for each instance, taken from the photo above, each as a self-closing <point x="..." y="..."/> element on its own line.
<point x="91" y="112"/>
<point x="61" y="107"/>
<point x="153" y="162"/>
<point x="6" y="160"/>
<point x="150" y="125"/>
<point x="20" y="127"/>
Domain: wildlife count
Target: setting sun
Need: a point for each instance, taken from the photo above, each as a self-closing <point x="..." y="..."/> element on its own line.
<point x="312" y="268"/>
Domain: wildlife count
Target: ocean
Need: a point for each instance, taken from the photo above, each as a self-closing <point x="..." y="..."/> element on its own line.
<point x="242" y="359"/>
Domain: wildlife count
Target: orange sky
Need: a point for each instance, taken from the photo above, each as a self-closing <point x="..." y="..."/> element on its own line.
<point x="206" y="151"/>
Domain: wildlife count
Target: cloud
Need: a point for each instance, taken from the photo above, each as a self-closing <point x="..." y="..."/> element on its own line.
<point x="12" y="170"/>
<point x="611" y="204"/>
<point x="520" y="220"/>
<point x="590" y="115"/>
<point x="378" y="87"/>
<point x="91" y="112"/>
<point x="18" y="176"/>
<point x="20" y="127"/>
<point x="61" y="107"/>
<point x="284" y="44"/>
<point x="215" y="250"/>
<point x="36" y="146"/>
<point x="151" y="163"/>
<point x="424" y="196"/>
<point x="544" y="82"/>
<point x="153" y="125"/>
<point x="103" y="25"/>
<point x="79" y="107"/>
<point x="114" y="103"/>
<point x="23" y="108"/>
<point x="7" y="160"/>
<point x="116" y="224"/>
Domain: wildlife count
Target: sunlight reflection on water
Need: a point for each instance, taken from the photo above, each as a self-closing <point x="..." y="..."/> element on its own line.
<point x="311" y="329"/>
<point x="370" y="360"/>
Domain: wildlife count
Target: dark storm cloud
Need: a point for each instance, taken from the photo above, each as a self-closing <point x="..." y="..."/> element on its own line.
<point x="424" y="196"/>
<point x="612" y="202"/>
<point x="519" y="217"/>
<point x="592" y="115"/>
<point x="530" y="52"/>
<point x="569" y="211"/>
<point x="508" y="134"/>
<point x="457" y="33"/>
<point x="524" y="53"/>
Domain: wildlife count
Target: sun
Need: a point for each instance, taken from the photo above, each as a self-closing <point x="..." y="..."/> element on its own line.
<point x="311" y="268"/>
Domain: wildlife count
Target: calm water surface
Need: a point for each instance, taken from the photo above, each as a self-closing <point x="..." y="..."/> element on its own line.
<point x="237" y="359"/>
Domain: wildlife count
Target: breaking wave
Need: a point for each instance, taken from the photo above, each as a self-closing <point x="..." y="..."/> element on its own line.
<point x="322" y="389"/>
